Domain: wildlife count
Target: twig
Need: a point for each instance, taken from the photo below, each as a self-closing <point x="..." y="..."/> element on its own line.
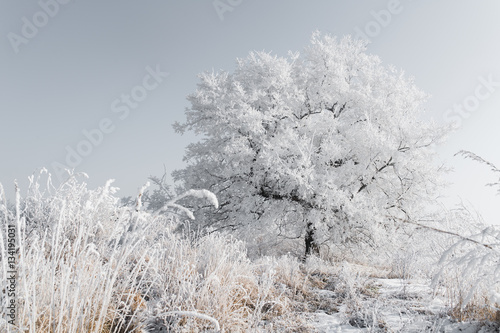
<point x="444" y="232"/>
<point x="194" y="314"/>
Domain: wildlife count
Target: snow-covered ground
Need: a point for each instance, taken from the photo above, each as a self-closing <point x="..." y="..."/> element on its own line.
<point x="396" y="305"/>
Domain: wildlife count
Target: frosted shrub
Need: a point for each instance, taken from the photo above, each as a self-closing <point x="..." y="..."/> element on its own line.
<point x="471" y="273"/>
<point x="83" y="262"/>
<point x="470" y="266"/>
<point x="213" y="276"/>
<point x="72" y="255"/>
<point x="86" y="263"/>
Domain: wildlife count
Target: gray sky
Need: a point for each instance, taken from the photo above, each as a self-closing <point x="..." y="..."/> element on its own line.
<point x="71" y="67"/>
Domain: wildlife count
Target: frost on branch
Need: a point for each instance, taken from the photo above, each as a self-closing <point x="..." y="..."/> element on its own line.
<point x="474" y="157"/>
<point x="477" y="255"/>
<point x="200" y="194"/>
<point x="328" y="138"/>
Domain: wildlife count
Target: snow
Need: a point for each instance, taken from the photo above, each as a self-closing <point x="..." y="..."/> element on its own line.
<point x="332" y="324"/>
<point x="402" y="306"/>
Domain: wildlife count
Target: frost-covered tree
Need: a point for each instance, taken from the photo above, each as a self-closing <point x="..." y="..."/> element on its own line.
<point x="327" y="146"/>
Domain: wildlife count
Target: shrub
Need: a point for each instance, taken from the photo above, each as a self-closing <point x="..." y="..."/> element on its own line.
<point x="86" y="263"/>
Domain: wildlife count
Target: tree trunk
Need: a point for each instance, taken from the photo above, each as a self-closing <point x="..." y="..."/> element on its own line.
<point x="311" y="245"/>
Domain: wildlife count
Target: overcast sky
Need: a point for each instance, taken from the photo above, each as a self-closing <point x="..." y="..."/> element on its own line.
<point x="98" y="84"/>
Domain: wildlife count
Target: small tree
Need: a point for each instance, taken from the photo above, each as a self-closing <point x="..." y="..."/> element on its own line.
<point x="327" y="146"/>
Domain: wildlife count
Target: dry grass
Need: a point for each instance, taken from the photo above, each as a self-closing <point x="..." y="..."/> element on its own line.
<point x="479" y="309"/>
<point x="467" y="298"/>
<point x="86" y="264"/>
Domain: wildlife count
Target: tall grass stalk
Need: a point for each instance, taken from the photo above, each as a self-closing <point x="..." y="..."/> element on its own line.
<point x="87" y="264"/>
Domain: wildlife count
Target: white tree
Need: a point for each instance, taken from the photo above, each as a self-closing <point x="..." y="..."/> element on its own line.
<point x="328" y="146"/>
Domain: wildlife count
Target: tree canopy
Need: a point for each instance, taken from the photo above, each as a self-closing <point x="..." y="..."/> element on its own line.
<point x="329" y="145"/>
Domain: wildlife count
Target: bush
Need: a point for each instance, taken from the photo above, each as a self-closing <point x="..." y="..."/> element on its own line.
<point x="86" y="263"/>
